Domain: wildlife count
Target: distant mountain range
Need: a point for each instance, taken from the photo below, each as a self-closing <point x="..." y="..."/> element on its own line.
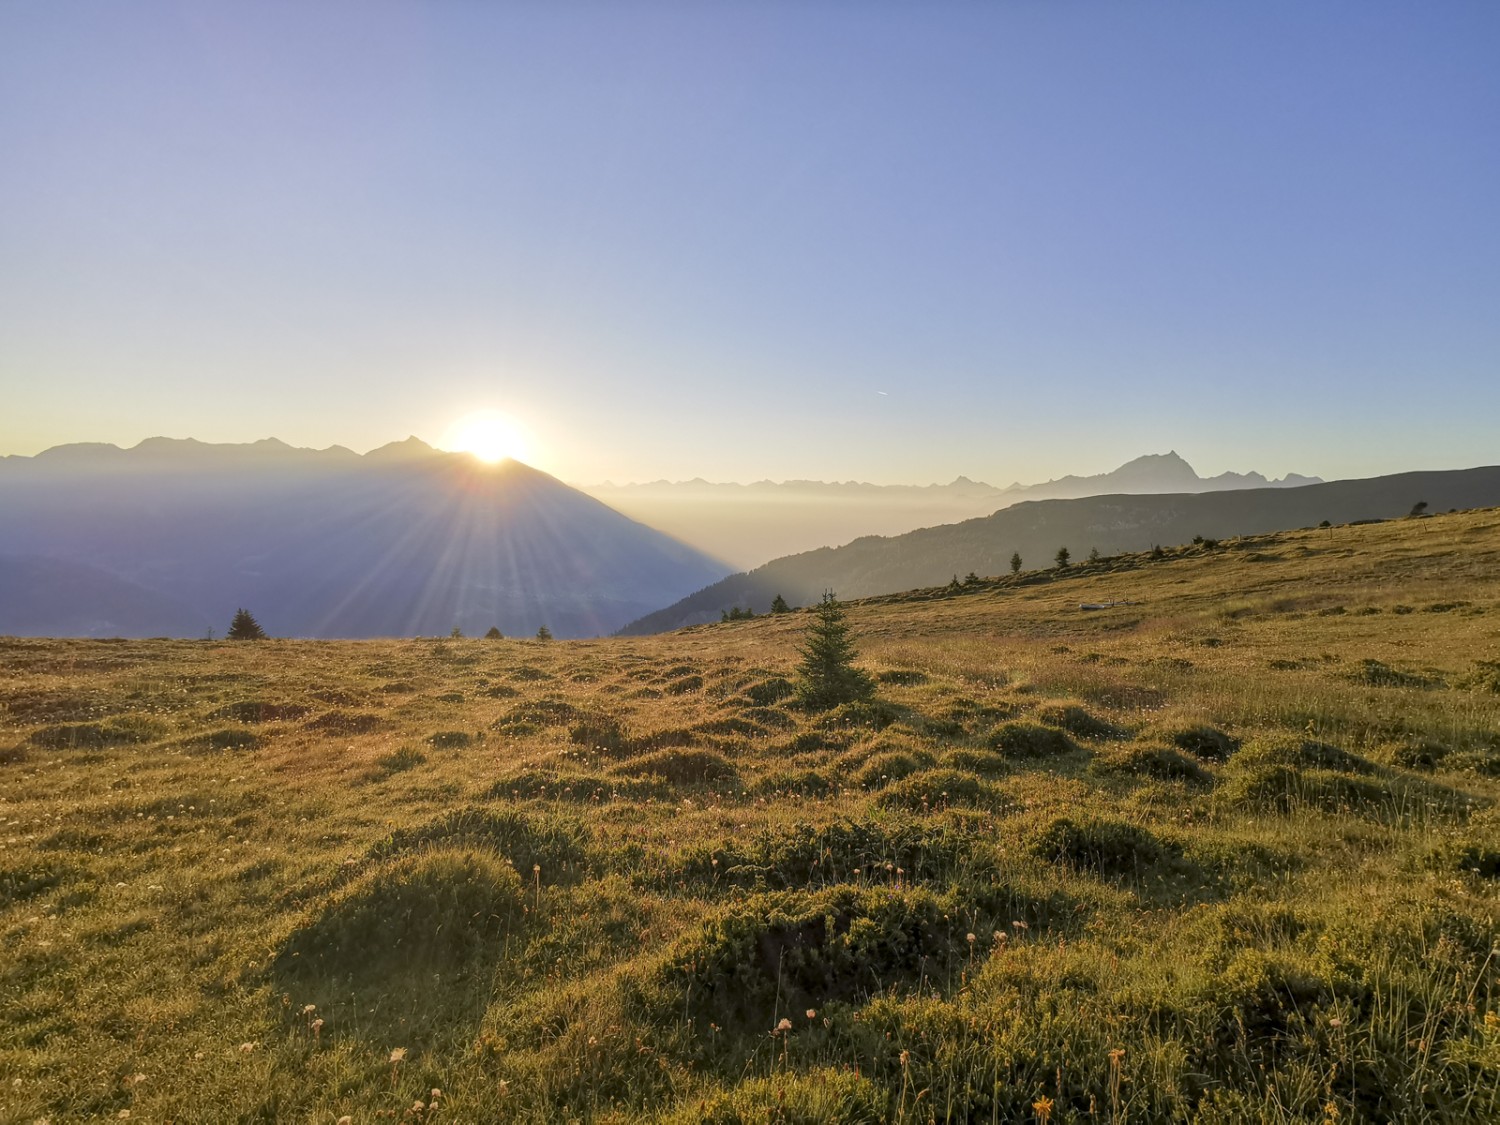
<point x="171" y="536"/>
<point x="1036" y="529"/>
<point x="750" y="523"/>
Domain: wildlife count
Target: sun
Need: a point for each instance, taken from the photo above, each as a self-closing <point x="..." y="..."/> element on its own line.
<point x="488" y="436"/>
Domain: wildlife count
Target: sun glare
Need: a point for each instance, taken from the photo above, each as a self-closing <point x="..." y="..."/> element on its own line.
<point x="488" y="436"/>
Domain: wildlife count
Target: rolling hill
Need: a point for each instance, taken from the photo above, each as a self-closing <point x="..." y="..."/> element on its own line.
<point x="747" y="524"/>
<point x="1036" y="529"/>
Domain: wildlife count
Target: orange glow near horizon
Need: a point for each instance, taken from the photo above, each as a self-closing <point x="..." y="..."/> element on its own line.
<point x="488" y="436"/>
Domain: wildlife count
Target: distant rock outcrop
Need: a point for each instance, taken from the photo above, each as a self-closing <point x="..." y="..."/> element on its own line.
<point x="171" y="536"/>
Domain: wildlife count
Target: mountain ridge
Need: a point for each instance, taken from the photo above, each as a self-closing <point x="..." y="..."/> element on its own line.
<point x="404" y="540"/>
<point x="749" y="524"/>
<point x="873" y="565"/>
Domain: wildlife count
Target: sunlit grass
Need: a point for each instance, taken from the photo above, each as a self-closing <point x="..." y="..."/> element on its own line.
<point x="1214" y="864"/>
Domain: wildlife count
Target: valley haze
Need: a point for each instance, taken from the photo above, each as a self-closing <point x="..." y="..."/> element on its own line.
<point x="169" y="536"/>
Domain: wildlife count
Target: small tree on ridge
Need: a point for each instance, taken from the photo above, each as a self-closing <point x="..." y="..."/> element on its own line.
<point x="244" y="627"/>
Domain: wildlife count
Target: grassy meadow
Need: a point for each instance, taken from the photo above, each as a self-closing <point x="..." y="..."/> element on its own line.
<point x="1229" y="852"/>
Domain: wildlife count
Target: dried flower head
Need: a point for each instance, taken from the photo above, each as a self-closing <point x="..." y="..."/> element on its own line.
<point x="812" y="1013"/>
<point x="398" y="1055"/>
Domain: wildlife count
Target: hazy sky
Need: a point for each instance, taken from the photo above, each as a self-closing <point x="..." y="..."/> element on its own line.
<point x="700" y="239"/>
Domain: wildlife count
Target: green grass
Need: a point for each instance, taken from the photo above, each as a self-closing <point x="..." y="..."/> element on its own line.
<point x="1225" y="854"/>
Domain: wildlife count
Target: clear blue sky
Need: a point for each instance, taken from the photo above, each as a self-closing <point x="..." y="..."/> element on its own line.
<point x="698" y="238"/>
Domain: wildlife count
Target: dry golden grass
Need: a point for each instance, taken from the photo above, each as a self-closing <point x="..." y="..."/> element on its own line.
<point x="1250" y="873"/>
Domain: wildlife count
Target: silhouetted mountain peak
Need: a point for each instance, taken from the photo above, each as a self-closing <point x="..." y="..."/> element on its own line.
<point x="413" y="447"/>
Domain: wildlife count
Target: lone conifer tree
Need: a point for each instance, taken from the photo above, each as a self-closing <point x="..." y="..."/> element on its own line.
<point x="827" y="676"/>
<point x="1062" y="557"/>
<point x="244" y="627"/>
<point x="494" y="634"/>
<point x="544" y="634"/>
<point x="1015" y="562"/>
<point x="778" y="605"/>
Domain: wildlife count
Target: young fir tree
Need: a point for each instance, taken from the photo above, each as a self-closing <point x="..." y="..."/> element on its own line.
<point x="1015" y="562"/>
<point x="827" y="676"/>
<point x="244" y="627"/>
<point x="544" y="634"/>
<point x="778" y="605"/>
<point x="1062" y="558"/>
<point x="494" y="634"/>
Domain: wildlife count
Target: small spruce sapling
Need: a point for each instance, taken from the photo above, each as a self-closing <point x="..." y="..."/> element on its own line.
<point x="1062" y="558"/>
<point x="1015" y="563"/>
<point x="827" y="676"/>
